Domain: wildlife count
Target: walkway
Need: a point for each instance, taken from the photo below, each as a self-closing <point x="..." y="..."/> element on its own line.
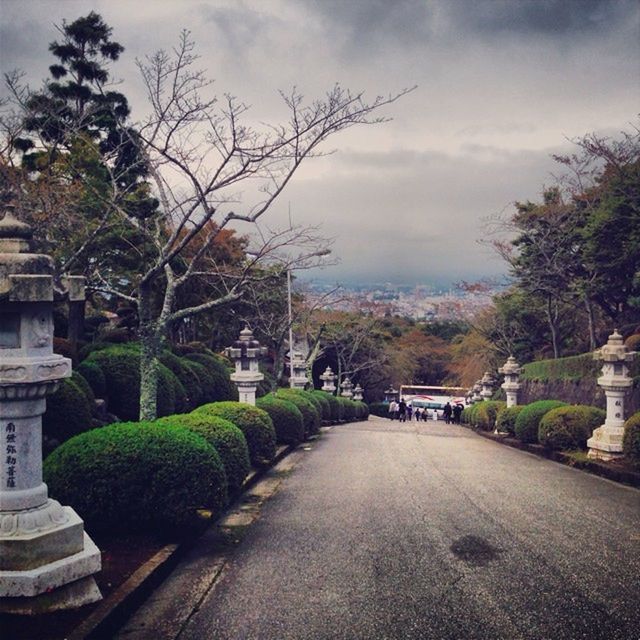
<point x="422" y="531"/>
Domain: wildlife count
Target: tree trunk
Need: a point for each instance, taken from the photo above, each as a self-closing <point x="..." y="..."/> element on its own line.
<point x="552" y="319"/>
<point x="150" y="343"/>
<point x="76" y="322"/>
<point x="592" y="324"/>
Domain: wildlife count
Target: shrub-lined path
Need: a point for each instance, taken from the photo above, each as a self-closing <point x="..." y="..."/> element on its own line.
<point x="421" y="531"/>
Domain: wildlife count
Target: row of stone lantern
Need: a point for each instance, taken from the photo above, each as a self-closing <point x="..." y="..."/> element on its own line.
<point x="347" y="390"/>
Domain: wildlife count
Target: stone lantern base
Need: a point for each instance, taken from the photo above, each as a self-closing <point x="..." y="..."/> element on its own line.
<point x="606" y="443"/>
<point x="47" y="560"/>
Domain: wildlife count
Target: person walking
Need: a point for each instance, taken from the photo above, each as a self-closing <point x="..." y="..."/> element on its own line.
<point x="446" y="412"/>
<point x="457" y="412"/>
<point x="393" y="409"/>
<point x="402" y="410"/>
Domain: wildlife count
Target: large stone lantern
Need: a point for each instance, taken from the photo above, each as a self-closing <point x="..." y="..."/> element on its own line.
<point x="390" y="395"/>
<point x="246" y="353"/>
<point x="511" y="370"/>
<point x="477" y="392"/>
<point x="606" y="441"/>
<point x="328" y="380"/>
<point x="47" y="561"/>
<point x="347" y="388"/>
<point x="358" y="393"/>
<point x="298" y="378"/>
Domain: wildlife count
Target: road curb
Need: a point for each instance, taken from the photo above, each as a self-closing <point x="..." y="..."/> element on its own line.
<point x="119" y="605"/>
<point x="622" y="476"/>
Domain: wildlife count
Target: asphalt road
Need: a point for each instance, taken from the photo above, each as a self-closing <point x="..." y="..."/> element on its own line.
<point x="429" y="531"/>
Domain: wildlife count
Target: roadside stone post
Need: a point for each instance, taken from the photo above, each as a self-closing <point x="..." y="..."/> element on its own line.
<point x="328" y="381"/>
<point x="358" y="393"/>
<point x="246" y="353"/>
<point x="347" y="388"/>
<point x="486" y="383"/>
<point x="606" y="441"/>
<point x="390" y="395"/>
<point x="511" y="372"/>
<point x="47" y="561"/>
<point x="477" y="389"/>
<point x="298" y="379"/>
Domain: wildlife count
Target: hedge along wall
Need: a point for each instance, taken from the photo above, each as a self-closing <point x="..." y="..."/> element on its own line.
<point x="573" y="380"/>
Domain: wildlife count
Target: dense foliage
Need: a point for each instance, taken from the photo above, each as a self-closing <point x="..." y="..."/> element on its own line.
<point x="631" y="441"/>
<point x="568" y="428"/>
<point x="68" y="413"/>
<point x="528" y="420"/>
<point x="287" y="418"/>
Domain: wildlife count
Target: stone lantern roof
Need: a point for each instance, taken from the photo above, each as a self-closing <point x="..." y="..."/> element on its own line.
<point x="510" y="367"/>
<point x="615" y="350"/>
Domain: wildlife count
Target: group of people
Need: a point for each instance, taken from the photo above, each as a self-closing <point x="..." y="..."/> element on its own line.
<point x="403" y="411"/>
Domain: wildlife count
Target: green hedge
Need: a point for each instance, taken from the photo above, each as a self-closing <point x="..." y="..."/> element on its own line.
<point x="92" y="373"/>
<point x="68" y="413"/>
<point x="570" y="368"/>
<point x="325" y="405"/>
<point x="362" y="410"/>
<point x="487" y="412"/>
<point x="224" y="437"/>
<point x="567" y="428"/>
<point x="220" y="386"/>
<point x="336" y="408"/>
<point x="348" y="409"/>
<point x="631" y="440"/>
<point x="255" y="424"/>
<point x="286" y="417"/>
<point x="182" y="369"/>
<point x="506" y="419"/>
<point x="310" y="413"/>
<point x="85" y="387"/>
<point x="137" y="476"/>
<point x="470" y="414"/>
<point x="120" y="365"/>
<point x="380" y="409"/>
<point x="528" y="420"/>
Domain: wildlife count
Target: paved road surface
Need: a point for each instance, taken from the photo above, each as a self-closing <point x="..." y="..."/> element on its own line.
<point x="404" y="531"/>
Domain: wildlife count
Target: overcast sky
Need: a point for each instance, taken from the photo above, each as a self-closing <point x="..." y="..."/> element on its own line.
<point x="501" y="85"/>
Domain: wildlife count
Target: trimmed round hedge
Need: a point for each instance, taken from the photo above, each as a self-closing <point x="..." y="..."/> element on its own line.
<point x="568" y="428"/>
<point x="286" y="417"/>
<point x="68" y="413"/>
<point x="487" y="412"/>
<point x="310" y="414"/>
<point x="631" y="440"/>
<point x="506" y="419"/>
<point x="137" y="476"/>
<point x="85" y="387"/>
<point x="188" y="391"/>
<point x="380" y="409"/>
<point x="120" y="365"/>
<point x="219" y="386"/>
<point x="528" y="420"/>
<point x="92" y="373"/>
<point x="224" y="437"/>
<point x="348" y="409"/>
<point x="362" y="410"/>
<point x="255" y="424"/>
<point x="325" y="405"/>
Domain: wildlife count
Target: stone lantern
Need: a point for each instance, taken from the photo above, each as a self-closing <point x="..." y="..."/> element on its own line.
<point x="47" y="561"/>
<point x="606" y="441"/>
<point x="487" y="383"/>
<point x="246" y="353"/>
<point x="328" y="380"/>
<point x="511" y="370"/>
<point x="477" y="392"/>
<point x="347" y="388"/>
<point x="358" y="393"/>
<point x="298" y="374"/>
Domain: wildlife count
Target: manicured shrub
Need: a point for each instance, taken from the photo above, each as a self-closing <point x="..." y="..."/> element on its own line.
<point x="348" y="409"/>
<point x="92" y="373"/>
<point x="486" y="413"/>
<point x="310" y="415"/>
<point x="182" y="370"/>
<point x="506" y="419"/>
<point x="380" y="409"/>
<point x="631" y="440"/>
<point x="84" y="386"/>
<point x="325" y="405"/>
<point x="362" y="410"/>
<point x="218" y="387"/>
<point x="68" y="413"/>
<point x="92" y="347"/>
<point x="470" y="414"/>
<point x="570" y="427"/>
<point x="224" y="437"/>
<point x="255" y="424"/>
<point x="336" y="408"/>
<point x="528" y="420"/>
<point x="137" y="476"/>
<point x="121" y="368"/>
<point x="286" y="417"/>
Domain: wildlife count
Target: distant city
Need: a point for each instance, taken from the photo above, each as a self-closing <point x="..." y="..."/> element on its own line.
<point x="421" y="302"/>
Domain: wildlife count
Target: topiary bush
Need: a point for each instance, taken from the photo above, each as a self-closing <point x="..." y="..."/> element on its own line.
<point x="310" y="414"/>
<point x="336" y="408"/>
<point x="470" y="414"/>
<point x="570" y="427"/>
<point x="362" y="410"/>
<point x="137" y="476"/>
<point x="68" y="413"/>
<point x="92" y="373"/>
<point x="224" y="437"/>
<point x="631" y="440"/>
<point x="487" y="412"/>
<point x="348" y="409"/>
<point x="84" y="386"/>
<point x="286" y="417"/>
<point x="218" y="386"/>
<point x="120" y="365"/>
<point x="255" y="424"/>
<point x="380" y="409"/>
<point x="325" y="405"/>
<point x="528" y="420"/>
<point x="184" y="372"/>
<point x="506" y="419"/>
